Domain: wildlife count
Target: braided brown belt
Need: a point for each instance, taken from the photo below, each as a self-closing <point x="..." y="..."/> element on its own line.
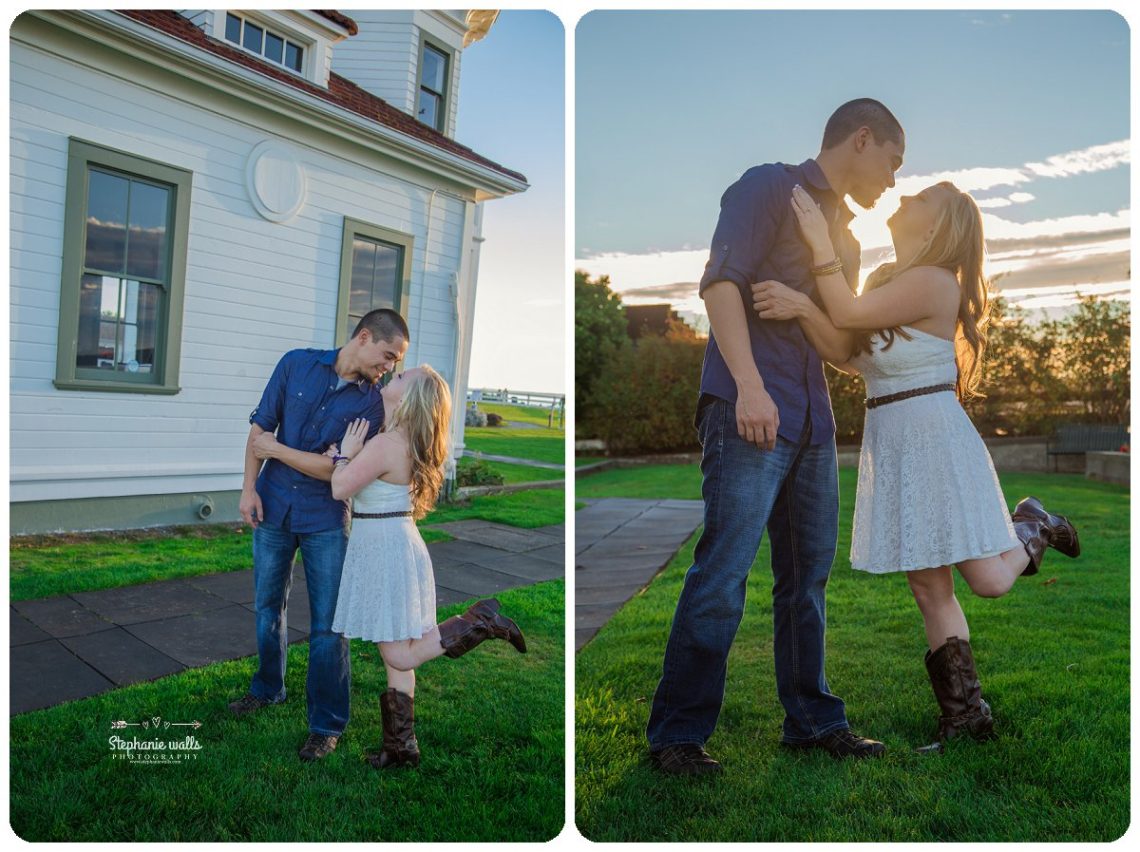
<point x="372" y="516"/>
<point x="875" y="402"/>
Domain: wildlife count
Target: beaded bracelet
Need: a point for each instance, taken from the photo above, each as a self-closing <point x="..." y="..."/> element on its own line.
<point x="339" y="460"/>
<point x="828" y="268"/>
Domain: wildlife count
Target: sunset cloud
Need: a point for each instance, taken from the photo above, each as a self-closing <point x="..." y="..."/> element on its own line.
<point x="1091" y="250"/>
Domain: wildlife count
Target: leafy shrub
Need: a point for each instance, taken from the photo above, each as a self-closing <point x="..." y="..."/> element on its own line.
<point x="474" y="417"/>
<point x="494" y="419"/>
<point x="644" y="397"/>
<point x="477" y="473"/>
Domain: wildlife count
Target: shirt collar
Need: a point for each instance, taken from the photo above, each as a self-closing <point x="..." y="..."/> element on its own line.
<point x="328" y="358"/>
<point x="814" y="175"/>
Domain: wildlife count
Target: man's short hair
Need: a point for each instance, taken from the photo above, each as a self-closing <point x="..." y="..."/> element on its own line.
<point x="862" y="112"/>
<point x="383" y="324"/>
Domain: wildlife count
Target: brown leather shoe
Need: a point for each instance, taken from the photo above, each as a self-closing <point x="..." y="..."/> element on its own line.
<point x="843" y="743"/>
<point x="1032" y="522"/>
<point x="954" y="679"/>
<point x="397" y="714"/>
<point x="684" y="759"/>
<point x="460" y="633"/>
<point x="317" y="746"/>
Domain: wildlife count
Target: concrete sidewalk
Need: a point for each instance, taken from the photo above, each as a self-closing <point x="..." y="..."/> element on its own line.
<point x="468" y="453"/>
<point x="620" y="545"/>
<point x="73" y="646"/>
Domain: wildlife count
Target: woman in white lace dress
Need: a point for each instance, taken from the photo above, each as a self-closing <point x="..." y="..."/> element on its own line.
<point x="928" y="497"/>
<point x="387" y="589"/>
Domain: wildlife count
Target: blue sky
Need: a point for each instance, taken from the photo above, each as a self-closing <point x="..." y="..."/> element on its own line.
<point x="1027" y="110"/>
<point x="512" y="109"/>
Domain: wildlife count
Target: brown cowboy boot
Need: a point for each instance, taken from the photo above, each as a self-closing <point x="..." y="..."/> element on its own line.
<point x="398" y="718"/>
<point x="1037" y="529"/>
<point x="959" y="694"/>
<point x="460" y="633"/>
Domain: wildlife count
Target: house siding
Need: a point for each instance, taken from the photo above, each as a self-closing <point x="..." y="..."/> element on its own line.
<point x="254" y="289"/>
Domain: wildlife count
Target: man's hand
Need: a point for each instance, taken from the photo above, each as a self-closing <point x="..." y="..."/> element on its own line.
<point x="757" y="417"/>
<point x="265" y="445"/>
<point x="250" y="509"/>
<point x="775" y="301"/>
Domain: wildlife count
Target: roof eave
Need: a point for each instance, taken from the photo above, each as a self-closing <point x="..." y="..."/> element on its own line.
<point x="159" y="49"/>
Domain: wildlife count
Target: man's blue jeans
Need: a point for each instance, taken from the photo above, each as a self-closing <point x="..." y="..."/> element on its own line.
<point x="327" y="686"/>
<point x="792" y="490"/>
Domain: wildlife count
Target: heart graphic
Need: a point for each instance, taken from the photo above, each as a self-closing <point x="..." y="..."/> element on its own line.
<point x="155" y="721"/>
<point x="146" y="724"/>
<point x="165" y="725"/>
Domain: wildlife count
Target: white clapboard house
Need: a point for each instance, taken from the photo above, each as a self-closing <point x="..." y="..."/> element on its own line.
<point x="193" y="194"/>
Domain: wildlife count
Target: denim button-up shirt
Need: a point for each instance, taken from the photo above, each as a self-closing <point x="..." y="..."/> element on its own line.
<point x="757" y="239"/>
<point x="303" y="405"/>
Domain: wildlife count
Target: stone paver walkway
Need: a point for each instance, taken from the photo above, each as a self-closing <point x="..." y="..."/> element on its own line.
<point x="620" y="545"/>
<point x="74" y="646"/>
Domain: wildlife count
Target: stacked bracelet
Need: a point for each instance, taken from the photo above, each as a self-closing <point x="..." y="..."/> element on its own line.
<point x="339" y="460"/>
<point x="828" y="268"/>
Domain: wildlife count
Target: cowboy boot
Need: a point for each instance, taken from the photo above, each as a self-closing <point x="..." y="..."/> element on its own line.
<point x="398" y="720"/>
<point x="959" y="694"/>
<point x="460" y="633"/>
<point x="1055" y="530"/>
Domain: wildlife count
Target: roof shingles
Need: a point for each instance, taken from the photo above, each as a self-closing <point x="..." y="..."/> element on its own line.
<point x="341" y="92"/>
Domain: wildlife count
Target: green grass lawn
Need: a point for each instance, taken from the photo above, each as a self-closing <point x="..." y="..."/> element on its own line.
<point x="544" y="445"/>
<point x="1053" y="659"/>
<point x="528" y="509"/>
<point x="491" y="728"/>
<point x="521" y="413"/>
<point x="43" y="566"/>
<point x="516" y="473"/>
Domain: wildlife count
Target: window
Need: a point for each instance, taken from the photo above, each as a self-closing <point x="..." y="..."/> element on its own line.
<point x="375" y="272"/>
<point x="265" y="43"/>
<point x="124" y="269"/>
<point x="435" y="68"/>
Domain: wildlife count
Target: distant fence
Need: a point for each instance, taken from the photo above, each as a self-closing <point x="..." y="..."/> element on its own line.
<point x="515" y="397"/>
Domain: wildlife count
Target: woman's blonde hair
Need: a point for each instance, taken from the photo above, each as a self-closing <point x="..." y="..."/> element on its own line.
<point x="424" y="412"/>
<point x="958" y="245"/>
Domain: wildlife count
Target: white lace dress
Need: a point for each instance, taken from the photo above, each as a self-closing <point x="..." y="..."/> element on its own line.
<point x="387" y="589"/>
<point x="928" y="495"/>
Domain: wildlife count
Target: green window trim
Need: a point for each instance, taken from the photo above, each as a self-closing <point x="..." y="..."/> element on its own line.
<point x="163" y="379"/>
<point x="445" y="96"/>
<point x="405" y="242"/>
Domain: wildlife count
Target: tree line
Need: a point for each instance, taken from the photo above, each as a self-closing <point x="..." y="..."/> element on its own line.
<point x="640" y="396"/>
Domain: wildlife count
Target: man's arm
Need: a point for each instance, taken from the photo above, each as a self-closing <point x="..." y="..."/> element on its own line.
<point x="315" y="465"/>
<point x="249" y="504"/>
<point x="757" y="418"/>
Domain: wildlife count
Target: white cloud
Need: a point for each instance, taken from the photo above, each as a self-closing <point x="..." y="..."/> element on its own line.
<point x="1095" y="159"/>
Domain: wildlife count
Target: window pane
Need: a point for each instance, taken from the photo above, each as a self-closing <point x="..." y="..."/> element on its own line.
<point x="118" y="324"/>
<point x="429" y="108"/>
<point x="146" y="255"/>
<point x="251" y="39"/>
<point x="106" y="221"/>
<point x="375" y="279"/>
<point x="233" y="28"/>
<point x="293" y="56"/>
<point x="434" y="70"/>
<point x="274" y="47"/>
<point x="360" y="285"/>
<point x="385" y="280"/>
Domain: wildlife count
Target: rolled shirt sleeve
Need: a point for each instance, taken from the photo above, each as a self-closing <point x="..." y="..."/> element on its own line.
<point x="745" y="231"/>
<point x="267" y="415"/>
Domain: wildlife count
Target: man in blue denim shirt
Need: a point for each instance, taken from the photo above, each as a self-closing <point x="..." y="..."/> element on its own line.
<point x="309" y="401"/>
<point x="768" y="437"/>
